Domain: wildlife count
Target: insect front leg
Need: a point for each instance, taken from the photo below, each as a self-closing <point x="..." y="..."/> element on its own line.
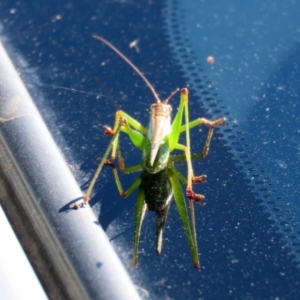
<point x="174" y="138"/>
<point x="211" y="125"/>
<point x="205" y="149"/>
<point x="136" y="136"/>
<point x="123" y="122"/>
<point x="186" y="128"/>
<point x="100" y="166"/>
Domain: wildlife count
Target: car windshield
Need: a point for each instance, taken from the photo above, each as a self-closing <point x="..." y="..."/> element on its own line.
<point x="239" y="60"/>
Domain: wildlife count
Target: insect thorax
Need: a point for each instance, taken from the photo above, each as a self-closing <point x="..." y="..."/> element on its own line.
<point x="161" y="159"/>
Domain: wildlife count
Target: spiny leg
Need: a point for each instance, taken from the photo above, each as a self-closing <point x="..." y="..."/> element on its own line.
<point x="161" y="217"/>
<point x="188" y="125"/>
<point x="174" y="137"/>
<point x="136" y="136"/>
<point x="178" y="174"/>
<point x="141" y="209"/>
<point x="112" y="147"/>
<point x="134" y="185"/>
<point x="100" y="166"/>
<point x="141" y="206"/>
<point x="182" y="210"/>
<point x="181" y="178"/>
<point x="178" y="128"/>
<point x="203" y="121"/>
<point x="125" y="170"/>
<point x="211" y="125"/>
<point x="121" y="162"/>
<point x="202" y="154"/>
<point x="122" y="123"/>
<point x="179" y="158"/>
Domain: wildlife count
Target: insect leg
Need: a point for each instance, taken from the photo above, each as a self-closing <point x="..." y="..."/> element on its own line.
<point x="136" y="136"/>
<point x="122" y="123"/>
<point x="182" y="210"/>
<point x="174" y="137"/>
<point x="101" y="164"/>
<point x="134" y="185"/>
<point x="141" y="209"/>
<point x="211" y="125"/>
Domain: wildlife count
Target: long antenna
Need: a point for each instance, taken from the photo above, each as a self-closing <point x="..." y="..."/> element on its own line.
<point x="107" y="43"/>
<point x="171" y="95"/>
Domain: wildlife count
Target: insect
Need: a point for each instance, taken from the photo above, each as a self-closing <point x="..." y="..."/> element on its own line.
<point x="160" y="180"/>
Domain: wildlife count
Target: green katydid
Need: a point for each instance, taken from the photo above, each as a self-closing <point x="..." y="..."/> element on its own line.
<point x="160" y="179"/>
